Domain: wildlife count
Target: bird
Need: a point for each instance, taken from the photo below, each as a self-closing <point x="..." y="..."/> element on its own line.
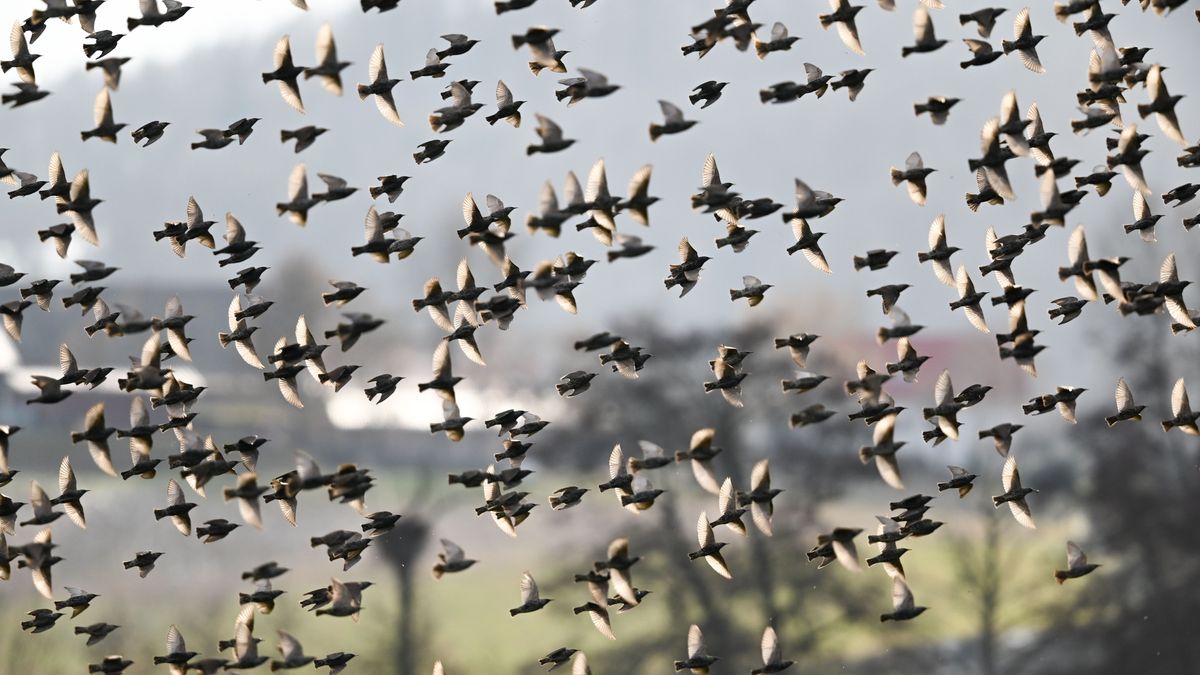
<point x="698" y="659"/>
<point x="551" y="135"/>
<point x="285" y="73"/>
<point x="772" y="654"/>
<point x="984" y="19"/>
<point x="1077" y="564"/>
<point x="506" y="108"/>
<point x="299" y="202"/>
<point x="545" y="56"/>
<point x="709" y="91"/>
<point x="903" y="607"/>
<point x="106" y="129"/>
<point x="69" y="497"/>
<point x="779" y="41"/>
<point x="22" y="58"/>
<point x="451" y="560"/>
<point x="303" y="136"/>
<point x="960" y="479"/>
<point x="914" y="174"/>
<point x="1126" y="408"/>
<point x="152" y="16"/>
<point x="843" y="15"/>
<point x="95" y="632"/>
<point x="380" y="87"/>
<point x="328" y="69"/>
<point x="144" y="562"/>
<point x="177" y="656"/>
<point x="177" y="509"/>
<point x="969" y="299"/>
<point x="938" y="108"/>
<point x="530" y="600"/>
<point x="1014" y="493"/>
<point x="1025" y="43"/>
<point x="752" y="290"/>
<point x="710" y="548"/>
<point x="1162" y="105"/>
<point x="149" y="132"/>
<point x="291" y="651"/>
<point x="923" y="36"/>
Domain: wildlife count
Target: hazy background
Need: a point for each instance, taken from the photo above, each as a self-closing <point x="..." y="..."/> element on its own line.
<point x="1125" y="494"/>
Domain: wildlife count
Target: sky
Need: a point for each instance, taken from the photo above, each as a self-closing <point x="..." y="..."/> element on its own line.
<point x="204" y="72"/>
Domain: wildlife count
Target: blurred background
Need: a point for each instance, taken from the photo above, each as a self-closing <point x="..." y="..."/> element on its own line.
<point x="1126" y="494"/>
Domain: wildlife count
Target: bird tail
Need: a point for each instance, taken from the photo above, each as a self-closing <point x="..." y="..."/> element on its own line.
<point x="1129" y="228"/>
<point x="997" y="501"/>
<point x="964" y="64"/>
<point x="1061" y="12"/>
<point x="883" y="335"/>
<point x="159" y="514"/>
<point x="267" y="77"/>
<point x="518" y="41"/>
<point x="285" y="135"/>
<point x="1008" y="46"/>
<point x="223" y="338"/>
<point x="1078" y="126"/>
<point x="905" y="51"/>
<point x="534" y="66"/>
<point x="761" y="48"/>
<point x="438" y="571"/>
<point x="1111" y="420"/>
<point x="1144" y="110"/>
<point x="765" y="95"/>
<point x="897" y="176"/>
<point x="1060" y="576"/>
<point x="859" y="263"/>
<point x="865" y="454"/>
<point x="656" y="130"/>
<point x="694" y="98"/>
<point x="363" y="92"/>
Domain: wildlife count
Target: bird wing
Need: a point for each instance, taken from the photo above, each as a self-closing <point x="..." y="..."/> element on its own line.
<point x="710" y="176"/>
<point x="671" y="112"/>
<point x="102" y="110"/>
<point x="704" y="531"/>
<point x="548" y="130"/>
<point x="616" y="462"/>
<point x="848" y="31"/>
<point x="1075" y="556"/>
<point x="504" y="96"/>
<point x="1124" y="395"/>
<point x="1179" y="399"/>
<point x="298" y="184"/>
<point x="175" y="643"/>
<point x="923" y="26"/>
<point x="943" y="391"/>
<point x="695" y="642"/>
<point x="1010" y="476"/>
<point x="453" y="552"/>
<point x="529" y="589"/>
<point x="174" y="493"/>
<point x="289" y="647"/>
<point x="66" y="476"/>
<point x="760" y="476"/>
<point x="597" y="183"/>
<point x="377" y="67"/>
<point x="770" y="645"/>
<point x="902" y="597"/>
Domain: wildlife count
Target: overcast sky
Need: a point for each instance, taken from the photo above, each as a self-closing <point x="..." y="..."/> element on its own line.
<point x="204" y="71"/>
